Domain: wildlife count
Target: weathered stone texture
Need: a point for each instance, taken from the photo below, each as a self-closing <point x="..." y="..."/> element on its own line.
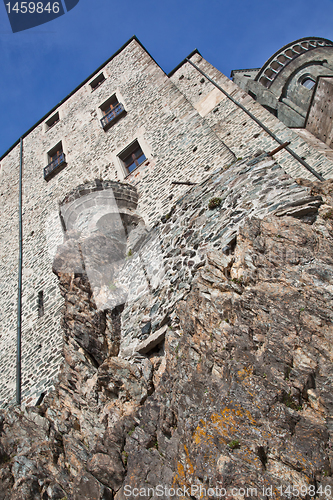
<point x="187" y="129"/>
<point x="319" y="121"/>
<point x="235" y="128"/>
<point x="239" y="392"/>
<point x="177" y="142"/>
<point x="316" y="143"/>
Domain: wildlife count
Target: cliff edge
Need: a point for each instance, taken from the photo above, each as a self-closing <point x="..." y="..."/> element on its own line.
<point x="214" y="377"/>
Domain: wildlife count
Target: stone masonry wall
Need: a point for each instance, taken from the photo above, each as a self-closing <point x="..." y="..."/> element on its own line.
<point x="186" y="130"/>
<point x="237" y="130"/>
<point x="319" y="122"/>
<point x="256" y="187"/>
<point x="214" y="379"/>
<point x="178" y="145"/>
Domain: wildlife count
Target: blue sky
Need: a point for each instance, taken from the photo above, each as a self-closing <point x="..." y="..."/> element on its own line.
<point x="40" y="66"/>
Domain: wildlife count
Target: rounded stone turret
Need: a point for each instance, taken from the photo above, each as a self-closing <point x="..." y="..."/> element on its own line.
<point x="99" y="219"/>
<point x="88" y="207"/>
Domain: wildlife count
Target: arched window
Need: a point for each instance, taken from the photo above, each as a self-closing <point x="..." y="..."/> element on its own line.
<point x="308" y="82"/>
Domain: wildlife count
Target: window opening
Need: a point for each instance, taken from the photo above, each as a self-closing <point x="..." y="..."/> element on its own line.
<point x="52" y="121"/>
<point x="97" y="82"/>
<point x="40" y="306"/>
<point x="308" y="82"/>
<point x="56" y="155"/>
<point x="56" y="158"/>
<point x="111" y="110"/>
<point x="132" y="157"/>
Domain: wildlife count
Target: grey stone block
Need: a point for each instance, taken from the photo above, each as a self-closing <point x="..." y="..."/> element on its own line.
<point x="153" y="340"/>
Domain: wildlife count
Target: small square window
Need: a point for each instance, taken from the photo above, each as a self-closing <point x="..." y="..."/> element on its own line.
<point x="52" y="121"/>
<point x="97" y="82"/>
<point x="57" y="161"/>
<point x="308" y="82"/>
<point x="112" y="110"/>
<point x="132" y="157"/>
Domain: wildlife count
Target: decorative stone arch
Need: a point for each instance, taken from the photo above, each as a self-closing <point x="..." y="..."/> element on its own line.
<point x="300" y="73"/>
<point x="278" y="61"/>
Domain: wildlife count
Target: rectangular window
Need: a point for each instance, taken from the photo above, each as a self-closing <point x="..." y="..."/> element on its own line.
<point x="97" y="82"/>
<point x="52" y="121"/>
<point x="57" y="161"/>
<point x="132" y="157"/>
<point x="112" y="110"/>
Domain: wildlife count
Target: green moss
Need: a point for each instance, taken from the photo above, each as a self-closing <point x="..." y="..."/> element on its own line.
<point x="290" y="403"/>
<point x="214" y="203"/>
<point x="234" y="444"/>
<point x="125" y="457"/>
<point x="239" y="280"/>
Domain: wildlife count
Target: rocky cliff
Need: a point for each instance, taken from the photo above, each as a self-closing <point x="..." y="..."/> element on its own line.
<point x="214" y="377"/>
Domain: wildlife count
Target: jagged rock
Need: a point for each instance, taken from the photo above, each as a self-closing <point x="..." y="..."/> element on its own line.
<point x="108" y="469"/>
<point x="153" y="340"/>
<point x="237" y="393"/>
<point x="118" y="379"/>
<point x="86" y="486"/>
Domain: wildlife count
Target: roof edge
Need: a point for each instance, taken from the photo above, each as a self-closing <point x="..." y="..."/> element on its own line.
<point x="195" y="51"/>
<point x="241" y="70"/>
<point x="134" y="37"/>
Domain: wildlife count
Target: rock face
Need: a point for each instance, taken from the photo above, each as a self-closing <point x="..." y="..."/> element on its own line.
<point x="217" y="374"/>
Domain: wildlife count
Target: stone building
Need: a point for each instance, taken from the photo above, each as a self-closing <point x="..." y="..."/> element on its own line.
<point x="116" y="153"/>
<point x="295" y="84"/>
